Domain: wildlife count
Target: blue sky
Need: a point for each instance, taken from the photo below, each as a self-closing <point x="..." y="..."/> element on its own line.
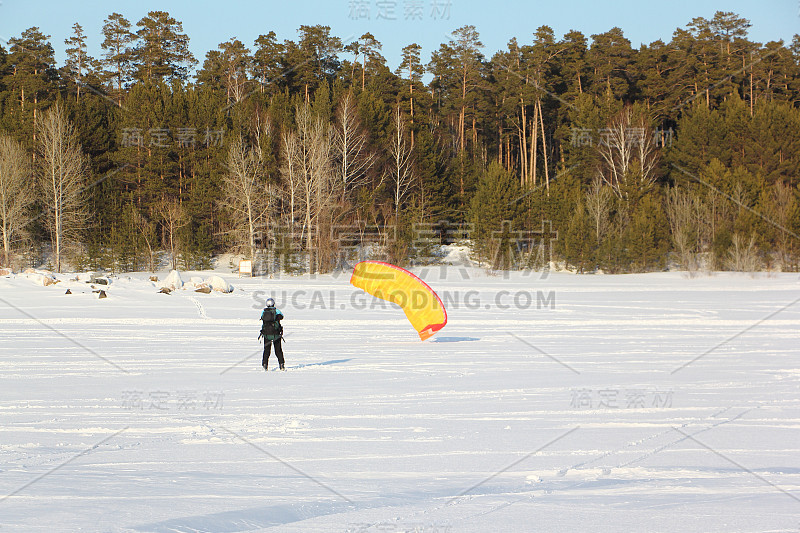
<point x="427" y="22"/>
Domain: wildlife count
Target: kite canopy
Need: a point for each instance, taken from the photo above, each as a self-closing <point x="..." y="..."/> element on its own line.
<point x="421" y="304"/>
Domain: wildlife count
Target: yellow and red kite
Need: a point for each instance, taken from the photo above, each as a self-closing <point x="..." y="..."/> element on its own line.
<point x="421" y="304"/>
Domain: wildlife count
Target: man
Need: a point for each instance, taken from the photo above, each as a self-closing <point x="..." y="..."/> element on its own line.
<point x="272" y="331"/>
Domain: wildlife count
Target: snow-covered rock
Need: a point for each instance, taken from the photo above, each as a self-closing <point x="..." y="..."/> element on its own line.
<point x="41" y="277"/>
<point x="456" y="254"/>
<point x="100" y="279"/>
<point x="173" y="281"/>
<point x="216" y="283"/>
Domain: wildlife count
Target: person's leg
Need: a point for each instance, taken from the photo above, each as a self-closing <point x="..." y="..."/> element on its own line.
<point x="267" y="350"/>
<point x="279" y="352"/>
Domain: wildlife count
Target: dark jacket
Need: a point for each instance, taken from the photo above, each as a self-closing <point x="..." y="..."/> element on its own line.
<point x="268" y="324"/>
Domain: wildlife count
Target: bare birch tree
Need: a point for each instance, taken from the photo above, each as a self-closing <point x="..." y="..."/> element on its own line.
<point x="402" y="172"/>
<point x="148" y="232"/>
<point x="682" y="209"/>
<point x="245" y="193"/>
<point x="61" y="173"/>
<point x="628" y="154"/>
<point x="743" y="254"/>
<point x="351" y="145"/>
<point x="173" y="218"/>
<point x="308" y="165"/>
<point x="327" y="191"/>
<point x="598" y="204"/>
<point x="289" y="170"/>
<point x="16" y="194"/>
<point x="782" y="203"/>
<point x="307" y="136"/>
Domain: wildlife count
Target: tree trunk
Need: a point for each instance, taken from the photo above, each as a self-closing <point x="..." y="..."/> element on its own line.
<point x="523" y="143"/>
<point x="6" y="247"/>
<point x="474" y="132"/>
<point x="499" y="144"/>
<point x="252" y="231"/>
<point x="411" y="92"/>
<point x="544" y="148"/>
<point x="462" y="118"/>
<point x="534" y="143"/>
<point x="751" y="88"/>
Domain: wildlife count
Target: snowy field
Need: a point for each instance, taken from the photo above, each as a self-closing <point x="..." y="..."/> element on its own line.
<point x="649" y="403"/>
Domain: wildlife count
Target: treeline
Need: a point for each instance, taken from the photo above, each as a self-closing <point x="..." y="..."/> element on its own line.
<point x="301" y="153"/>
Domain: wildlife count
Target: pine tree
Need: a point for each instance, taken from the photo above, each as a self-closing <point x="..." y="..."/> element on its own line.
<point x="539" y="59"/>
<point x="572" y="63"/>
<point x="411" y="67"/>
<point x="577" y="240"/>
<point x="118" y="55"/>
<point x="702" y="137"/>
<point x="456" y="67"/>
<point x="655" y="71"/>
<point x="228" y="69"/>
<point x="646" y="238"/>
<point x="611" y="60"/>
<point x="770" y="73"/>
<point x="78" y="60"/>
<point x="494" y="213"/>
<point x="31" y="80"/>
<point x="312" y="60"/>
<point x="162" y="51"/>
<point x="266" y="65"/>
<point x="372" y="59"/>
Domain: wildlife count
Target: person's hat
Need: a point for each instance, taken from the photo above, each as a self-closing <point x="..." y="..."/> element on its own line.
<point x="270" y="302"/>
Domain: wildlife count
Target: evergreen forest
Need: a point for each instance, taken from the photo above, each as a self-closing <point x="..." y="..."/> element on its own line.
<point x="306" y="154"/>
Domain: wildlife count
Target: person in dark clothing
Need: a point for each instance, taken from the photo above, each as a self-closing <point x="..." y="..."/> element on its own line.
<point x="272" y="331"/>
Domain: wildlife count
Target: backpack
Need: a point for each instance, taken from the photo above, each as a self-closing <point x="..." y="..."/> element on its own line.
<point x="271" y="327"/>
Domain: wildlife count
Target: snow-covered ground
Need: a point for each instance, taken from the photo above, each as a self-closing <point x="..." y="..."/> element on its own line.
<point x="650" y="402"/>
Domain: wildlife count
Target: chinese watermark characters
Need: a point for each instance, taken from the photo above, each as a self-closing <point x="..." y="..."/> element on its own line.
<point x="166" y="138"/>
<point x="620" y="399"/>
<point x="160" y="400"/>
<point x="397" y="9"/>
